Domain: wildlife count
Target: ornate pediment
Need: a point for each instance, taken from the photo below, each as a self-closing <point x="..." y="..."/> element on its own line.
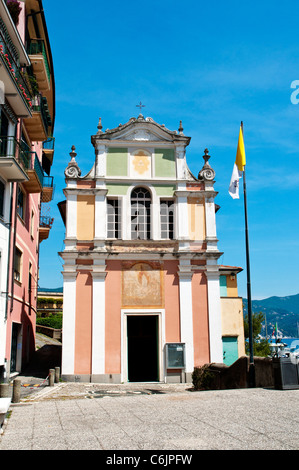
<point x="141" y="130"/>
<point x="140" y="135"/>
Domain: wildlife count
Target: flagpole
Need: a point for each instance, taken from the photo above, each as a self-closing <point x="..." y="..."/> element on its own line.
<point x="251" y="361"/>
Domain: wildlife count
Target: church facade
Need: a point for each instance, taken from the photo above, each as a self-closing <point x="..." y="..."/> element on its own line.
<point x="142" y="297"/>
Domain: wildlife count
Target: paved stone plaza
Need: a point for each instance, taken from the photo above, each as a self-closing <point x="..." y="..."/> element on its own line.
<point x="152" y="417"/>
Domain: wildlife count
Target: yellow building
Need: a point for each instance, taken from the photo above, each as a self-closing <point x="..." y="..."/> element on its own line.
<point x="231" y="315"/>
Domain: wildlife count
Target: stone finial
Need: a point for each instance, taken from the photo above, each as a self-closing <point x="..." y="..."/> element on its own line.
<point x="181" y="128"/>
<point x="206" y="173"/>
<point x="72" y="170"/>
<point x="100" y="127"/>
<point x="73" y="153"/>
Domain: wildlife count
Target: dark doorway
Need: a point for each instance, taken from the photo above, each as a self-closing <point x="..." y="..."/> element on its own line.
<point x="14" y="347"/>
<point x="143" y="356"/>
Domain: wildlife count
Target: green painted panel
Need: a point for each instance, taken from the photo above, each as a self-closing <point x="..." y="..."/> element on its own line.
<point x="115" y="189"/>
<point x="223" y="287"/>
<point x="230" y="349"/>
<point x="165" y="189"/>
<point x="117" y="162"/>
<point x="165" y="162"/>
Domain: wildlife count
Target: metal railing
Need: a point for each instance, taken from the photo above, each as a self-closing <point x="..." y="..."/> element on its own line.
<point x="49" y="143"/>
<point x="36" y="166"/>
<point x="48" y="181"/>
<point x="36" y="47"/>
<point x="40" y="104"/>
<point x="10" y="147"/>
<point x="10" y="59"/>
<point x="46" y="221"/>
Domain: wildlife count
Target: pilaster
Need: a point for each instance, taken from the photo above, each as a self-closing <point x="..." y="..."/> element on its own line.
<point x="69" y="320"/>
<point x="207" y="175"/>
<point x="101" y="159"/>
<point x="180" y="162"/>
<point x="182" y="216"/>
<point x="100" y="222"/>
<point x="71" y="212"/>
<point x="211" y="236"/>
<point x="186" y="313"/>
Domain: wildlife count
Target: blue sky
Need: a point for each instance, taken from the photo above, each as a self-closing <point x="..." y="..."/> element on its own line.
<point x="211" y="65"/>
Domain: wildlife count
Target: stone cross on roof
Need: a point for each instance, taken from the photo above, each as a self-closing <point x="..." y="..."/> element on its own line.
<point x="140" y="105"/>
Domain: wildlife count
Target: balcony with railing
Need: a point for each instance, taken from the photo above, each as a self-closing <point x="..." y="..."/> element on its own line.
<point x="45" y="225"/>
<point x="38" y="125"/>
<point x="19" y="163"/>
<point x="14" y="159"/>
<point x="48" y="148"/>
<point x="39" y="61"/>
<point x="16" y="88"/>
<point x="35" y="174"/>
<point x="48" y="189"/>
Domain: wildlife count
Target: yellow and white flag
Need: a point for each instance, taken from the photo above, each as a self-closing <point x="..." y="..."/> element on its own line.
<point x="238" y="168"/>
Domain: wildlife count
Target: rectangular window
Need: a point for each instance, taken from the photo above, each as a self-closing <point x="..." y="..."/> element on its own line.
<point x="18" y="265"/>
<point x="2" y="189"/>
<point x="113" y="218"/>
<point x="167" y="219"/>
<point x="21" y="204"/>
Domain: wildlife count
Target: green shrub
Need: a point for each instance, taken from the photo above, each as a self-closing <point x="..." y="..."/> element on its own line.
<point x="54" y="321"/>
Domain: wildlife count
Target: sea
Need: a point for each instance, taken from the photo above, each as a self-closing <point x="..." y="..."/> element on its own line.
<point x="294" y="342"/>
<point x="290" y="342"/>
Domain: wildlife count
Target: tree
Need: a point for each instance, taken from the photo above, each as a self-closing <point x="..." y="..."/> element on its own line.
<point x="260" y="346"/>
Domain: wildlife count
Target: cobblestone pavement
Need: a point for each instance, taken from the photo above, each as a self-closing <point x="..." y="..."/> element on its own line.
<point x="76" y="416"/>
<point x="151" y="416"/>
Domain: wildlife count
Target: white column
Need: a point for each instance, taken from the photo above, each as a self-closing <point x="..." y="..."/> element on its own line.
<point x="186" y="312"/>
<point x="101" y="157"/>
<point x="211" y="235"/>
<point x="182" y="225"/>
<point x="214" y="307"/>
<point x="100" y="228"/>
<point x="155" y="215"/>
<point x="98" y="318"/>
<point x="69" y="322"/>
<point x="71" y="214"/>
<point x="180" y="162"/>
<point x="126" y="216"/>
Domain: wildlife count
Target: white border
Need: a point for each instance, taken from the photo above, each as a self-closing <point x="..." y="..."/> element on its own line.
<point x="161" y="339"/>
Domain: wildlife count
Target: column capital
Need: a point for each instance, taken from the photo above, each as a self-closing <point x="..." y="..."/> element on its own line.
<point x="69" y="275"/>
<point x="185" y="270"/>
<point x="96" y="275"/>
<point x="212" y="271"/>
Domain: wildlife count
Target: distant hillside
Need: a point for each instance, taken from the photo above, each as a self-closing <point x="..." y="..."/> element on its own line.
<point x="45" y="289"/>
<point x="283" y="310"/>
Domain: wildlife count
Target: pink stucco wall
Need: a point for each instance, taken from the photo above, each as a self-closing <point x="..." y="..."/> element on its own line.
<point x="22" y="303"/>
<point x="172" y="302"/>
<point x="83" y="328"/>
<point x="200" y="318"/>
